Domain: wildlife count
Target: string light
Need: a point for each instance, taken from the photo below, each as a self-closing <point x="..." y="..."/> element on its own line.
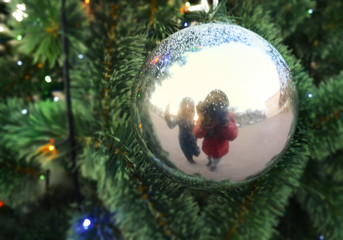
<point x="19" y="62"/>
<point x="321" y="237"/>
<point x="310" y="11"/>
<point x="19" y="37"/>
<point x="185" y="24"/>
<point x="81" y="56"/>
<point x="203" y="6"/>
<point x="2" y="29"/>
<point x="56" y="99"/>
<point x="21" y="7"/>
<point x="7" y="1"/>
<point x="1" y="204"/>
<point x="19" y="14"/>
<point x="48" y="79"/>
<point x="24" y="111"/>
<point x="42" y="177"/>
<point x="87" y="1"/>
<point x="51" y="148"/>
<point x="310" y="95"/>
<point x="86" y="223"/>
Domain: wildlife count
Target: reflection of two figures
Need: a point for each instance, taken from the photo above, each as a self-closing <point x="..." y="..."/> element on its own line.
<point x="215" y="124"/>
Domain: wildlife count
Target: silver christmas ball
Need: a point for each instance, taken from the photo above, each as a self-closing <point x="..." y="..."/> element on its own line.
<point x="214" y="105"/>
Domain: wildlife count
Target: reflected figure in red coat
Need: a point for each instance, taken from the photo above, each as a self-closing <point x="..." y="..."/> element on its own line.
<point x="216" y="125"/>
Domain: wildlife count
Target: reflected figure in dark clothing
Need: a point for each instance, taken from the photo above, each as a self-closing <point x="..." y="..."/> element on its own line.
<point x="185" y="121"/>
<point x="216" y="125"/>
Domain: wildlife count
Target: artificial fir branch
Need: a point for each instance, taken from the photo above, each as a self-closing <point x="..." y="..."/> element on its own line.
<point x="18" y="179"/>
<point x="152" y="12"/>
<point x="243" y="209"/>
<point x="108" y="66"/>
<point x="41" y="30"/>
<point x="328" y="124"/>
<point x="322" y="203"/>
<point x="333" y="166"/>
<point x="45" y="219"/>
<point x="19" y="81"/>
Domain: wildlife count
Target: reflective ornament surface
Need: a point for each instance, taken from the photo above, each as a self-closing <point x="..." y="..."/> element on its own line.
<point x="214" y="103"/>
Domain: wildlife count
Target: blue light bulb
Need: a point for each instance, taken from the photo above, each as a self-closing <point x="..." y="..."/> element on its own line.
<point x="86" y="223"/>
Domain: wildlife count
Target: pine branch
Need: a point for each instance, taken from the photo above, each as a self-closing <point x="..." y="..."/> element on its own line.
<point x="44" y="121"/>
<point x="19" y="180"/>
<point x="41" y="30"/>
<point x="328" y="123"/>
<point x="48" y="219"/>
<point x="321" y="197"/>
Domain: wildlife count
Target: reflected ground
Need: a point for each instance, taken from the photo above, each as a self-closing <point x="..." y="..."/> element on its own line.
<point x="249" y="154"/>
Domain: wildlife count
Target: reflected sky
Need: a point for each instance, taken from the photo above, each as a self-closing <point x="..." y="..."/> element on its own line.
<point x="246" y="74"/>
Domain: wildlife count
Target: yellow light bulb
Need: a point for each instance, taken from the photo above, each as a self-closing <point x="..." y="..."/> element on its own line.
<point x="51" y="147"/>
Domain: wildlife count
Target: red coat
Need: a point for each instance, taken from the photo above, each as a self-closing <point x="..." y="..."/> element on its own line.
<point x="216" y="143"/>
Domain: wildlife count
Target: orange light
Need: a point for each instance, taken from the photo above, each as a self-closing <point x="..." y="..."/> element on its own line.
<point x="87" y="1"/>
<point x="155" y="60"/>
<point x="1" y="204"/>
<point x="49" y="150"/>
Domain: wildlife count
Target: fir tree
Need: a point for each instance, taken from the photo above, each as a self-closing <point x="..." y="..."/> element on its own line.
<point x="114" y="191"/>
